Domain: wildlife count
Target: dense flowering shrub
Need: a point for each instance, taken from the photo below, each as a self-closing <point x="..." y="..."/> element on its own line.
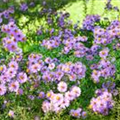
<point x="56" y="80"/>
<point x="104" y="100"/>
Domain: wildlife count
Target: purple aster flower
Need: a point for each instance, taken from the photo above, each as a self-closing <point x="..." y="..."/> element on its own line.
<point x="11" y="114"/>
<point x="22" y="77"/>
<point x="3" y="68"/>
<point x="57" y="98"/>
<point x="62" y="86"/>
<point x="89" y="57"/>
<point x="44" y="2"/>
<point x="95" y="75"/>
<point x="14" y="86"/>
<point x="41" y="95"/>
<point x="4" y="78"/>
<point x="46" y="106"/>
<point x="65" y="103"/>
<point x="104" y="53"/>
<point x="18" y="57"/>
<point x="115" y="92"/>
<point x="11" y="72"/>
<point x="31" y="97"/>
<point x="12" y="47"/>
<point x="105" y="73"/>
<point x="1" y="20"/>
<point x="39" y="32"/>
<point x="84" y="114"/>
<point x="13" y="64"/>
<point x="93" y="66"/>
<point x="103" y="103"/>
<point x="76" y="91"/>
<point x="72" y="77"/>
<point x="98" y="92"/>
<point x="20" y="91"/>
<point x="32" y="4"/>
<point x="59" y="74"/>
<point x="35" y="68"/>
<point x="48" y="60"/>
<point x="2" y="89"/>
<point x="75" y="113"/>
<point x="23" y="7"/>
<point x="69" y="96"/>
<point x="51" y="66"/>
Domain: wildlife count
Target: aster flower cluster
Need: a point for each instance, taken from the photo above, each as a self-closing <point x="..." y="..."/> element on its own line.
<point x="89" y="21"/>
<point x="58" y="101"/>
<point x="76" y="45"/>
<point x="51" y="72"/>
<point x="11" y="77"/>
<point x="35" y="63"/>
<point x="54" y="42"/>
<point x="104" y="100"/>
<point x="6" y="14"/>
<point x="69" y="41"/>
<point x="109" y="86"/>
<point x="62" y="23"/>
<point x="78" y="113"/>
<point x="109" y="6"/>
<point x="62" y="29"/>
<point x="25" y="6"/>
<point x="104" y="68"/>
<point x="73" y="71"/>
<point x="14" y="35"/>
<point x="106" y="36"/>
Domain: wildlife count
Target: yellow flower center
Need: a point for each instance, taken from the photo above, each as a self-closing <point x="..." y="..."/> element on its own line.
<point x="1" y="68"/>
<point x="58" y="98"/>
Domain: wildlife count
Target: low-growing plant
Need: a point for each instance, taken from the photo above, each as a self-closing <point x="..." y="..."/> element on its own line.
<point x="55" y="69"/>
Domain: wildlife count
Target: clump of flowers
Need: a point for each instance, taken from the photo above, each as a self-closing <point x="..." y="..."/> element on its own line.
<point x="104" y="100"/>
<point x="106" y="36"/>
<point x="11" y="78"/>
<point x="13" y="31"/>
<point x="58" y="101"/>
<point x="73" y="71"/>
<point x="35" y="63"/>
<point x="76" y="45"/>
<point x="54" y="42"/>
<point x="89" y="21"/>
<point x="104" y="68"/>
<point x="6" y="14"/>
<point x="78" y="113"/>
<point x="15" y="35"/>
